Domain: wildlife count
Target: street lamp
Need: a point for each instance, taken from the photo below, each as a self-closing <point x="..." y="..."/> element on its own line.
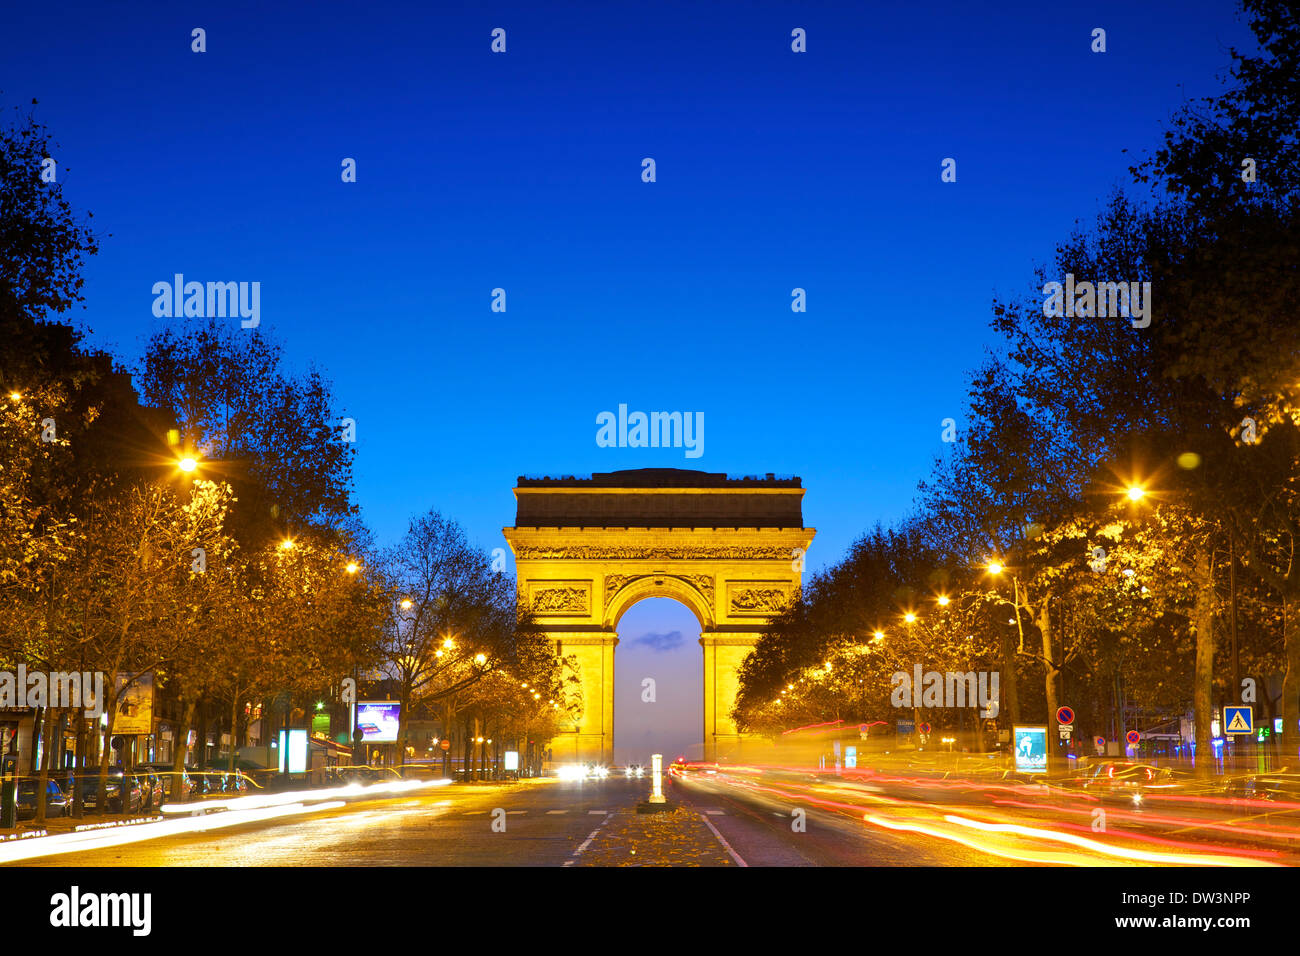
<point x="994" y="567"/>
<point x="1135" y="493"/>
<point x="353" y="567"/>
<point x="187" y="464"/>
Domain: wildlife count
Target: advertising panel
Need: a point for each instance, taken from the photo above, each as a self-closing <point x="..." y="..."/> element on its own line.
<point x="134" y="706"/>
<point x="1031" y="749"/>
<point x="378" y="720"/>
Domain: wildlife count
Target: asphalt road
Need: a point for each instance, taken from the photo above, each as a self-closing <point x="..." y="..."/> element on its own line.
<point x="546" y="823"/>
<point x="764" y="831"/>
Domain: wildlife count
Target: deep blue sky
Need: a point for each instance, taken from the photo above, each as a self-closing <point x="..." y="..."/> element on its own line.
<point x="819" y="170"/>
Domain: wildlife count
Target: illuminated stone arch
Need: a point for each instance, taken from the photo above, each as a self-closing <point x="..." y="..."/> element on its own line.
<point x="588" y="549"/>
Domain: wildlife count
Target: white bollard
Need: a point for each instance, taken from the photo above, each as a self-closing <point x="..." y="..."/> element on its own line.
<point x="656" y="765"/>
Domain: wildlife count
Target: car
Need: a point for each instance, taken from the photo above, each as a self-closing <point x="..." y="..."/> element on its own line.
<point x="634" y="770"/>
<point x="172" y="784"/>
<point x="56" y="801"/>
<point x="1277" y="787"/>
<point x="151" y="786"/>
<point x="135" y="794"/>
<point x="1131" y="780"/>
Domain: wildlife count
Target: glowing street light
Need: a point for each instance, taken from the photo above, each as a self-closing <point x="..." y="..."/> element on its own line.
<point x="406" y="604"/>
<point x="187" y="464"/>
<point x="1135" y="493"/>
<point x="943" y="600"/>
<point x="15" y="396"/>
<point x="994" y="567"/>
<point x="909" y="617"/>
<point x="353" y="567"/>
<point x="480" y="658"/>
<point x="879" y="635"/>
<point x="286" y="545"/>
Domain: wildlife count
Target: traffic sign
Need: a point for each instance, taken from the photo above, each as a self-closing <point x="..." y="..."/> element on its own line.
<point x="1133" y="737"/>
<point x="1064" y="715"/>
<point x="1239" y="720"/>
<point x="1101" y="743"/>
<point x="445" y="744"/>
<point x="1067" y="730"/>
<point x="925" y="728"/>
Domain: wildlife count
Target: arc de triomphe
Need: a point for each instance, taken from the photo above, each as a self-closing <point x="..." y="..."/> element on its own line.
<point x="587" y="549"/>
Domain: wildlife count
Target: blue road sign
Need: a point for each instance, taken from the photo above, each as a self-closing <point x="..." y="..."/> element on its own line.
<point x="1237" y="720"/>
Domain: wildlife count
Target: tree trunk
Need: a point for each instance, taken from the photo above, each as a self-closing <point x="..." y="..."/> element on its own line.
<point x="234" y="719"/>
<point x="1043" y="619"/>
<point x="1203" y="679"/>
<point x="83" y="740"/>
<point x="182" y="750"/>
<point x="1010" y="697"/>
<point x="106" y="752"/>
<point x="43" y="767"/>
<point x="1291" y="680"/>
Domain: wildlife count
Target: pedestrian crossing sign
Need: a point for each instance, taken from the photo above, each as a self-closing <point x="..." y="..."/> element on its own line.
<point x="1238" y="720"/>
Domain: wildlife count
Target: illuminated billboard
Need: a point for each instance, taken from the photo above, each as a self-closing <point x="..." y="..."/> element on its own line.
<point x="378" y="720"/>
<point x="296" y="749"/>
<point x="1031" y="749"/>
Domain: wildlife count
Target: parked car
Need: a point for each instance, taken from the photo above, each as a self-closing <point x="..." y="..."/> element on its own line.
<point x="135" y="794"/>
<point x="151" y="786"/>
<point x="56" y="801"/>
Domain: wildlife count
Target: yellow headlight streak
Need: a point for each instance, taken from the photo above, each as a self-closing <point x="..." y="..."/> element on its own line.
<point x="1028" y="855"/>
<point x="255" y="808"/>
<point x="120" y="836"/>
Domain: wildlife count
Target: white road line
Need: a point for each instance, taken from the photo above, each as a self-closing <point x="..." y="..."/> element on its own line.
<point x="549" y="812"/>
<point x="723" y="840"/>
<point x="591" y="836"/>
<point x="716" y="813"/>
<point x="596" y="813"/>
<point x="513" y="812"/>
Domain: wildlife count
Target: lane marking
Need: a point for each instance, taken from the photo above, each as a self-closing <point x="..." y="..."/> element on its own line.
<point x="716" y="813"/>
<point x="591" y="836"/>
<point x="596" y="813"/>
<point x="511" y="813"/>
<point x="549" y="812"/>
<point x="723" y="840"/>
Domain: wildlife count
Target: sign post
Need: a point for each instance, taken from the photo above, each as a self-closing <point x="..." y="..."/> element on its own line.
<point x="1238" y="721"/>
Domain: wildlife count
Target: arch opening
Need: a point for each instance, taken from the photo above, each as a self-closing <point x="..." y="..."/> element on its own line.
<point x="658" y="683"/>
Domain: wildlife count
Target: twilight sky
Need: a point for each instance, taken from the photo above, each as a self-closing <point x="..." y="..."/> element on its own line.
<point x="522" y="171"/>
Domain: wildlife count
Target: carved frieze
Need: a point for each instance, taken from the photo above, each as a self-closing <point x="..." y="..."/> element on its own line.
<point x="632" y="553"/>
<point x="758" y="597"/>
<point x="561" y="597"/>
